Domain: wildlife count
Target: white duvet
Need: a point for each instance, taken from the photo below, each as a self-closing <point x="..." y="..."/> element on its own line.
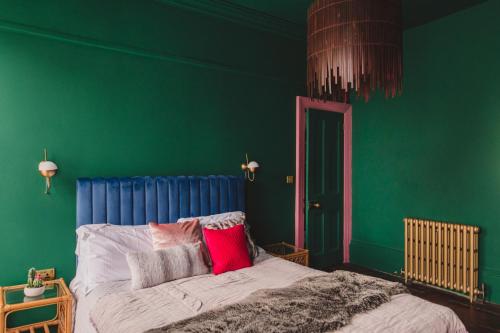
<point x="188" y="297"/>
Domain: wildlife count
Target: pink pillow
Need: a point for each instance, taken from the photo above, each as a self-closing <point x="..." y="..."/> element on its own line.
<point x="228" y="248"/>
<point x="174" y="234"/>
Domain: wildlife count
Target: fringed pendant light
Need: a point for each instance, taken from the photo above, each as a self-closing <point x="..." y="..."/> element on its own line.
<point x="354" y="45"/>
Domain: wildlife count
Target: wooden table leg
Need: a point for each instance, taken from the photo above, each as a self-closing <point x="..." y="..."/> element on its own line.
<point x="60" y="315"/>
<point x="69" y="316"/>
<point x="2" y="313"/>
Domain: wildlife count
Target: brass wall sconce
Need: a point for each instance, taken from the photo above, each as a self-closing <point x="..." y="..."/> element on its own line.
<point x="47" y="169"/>
<point x="249" y="168"/>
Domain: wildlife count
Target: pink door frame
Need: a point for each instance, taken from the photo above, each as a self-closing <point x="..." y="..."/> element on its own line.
<point x="302" y="104"/>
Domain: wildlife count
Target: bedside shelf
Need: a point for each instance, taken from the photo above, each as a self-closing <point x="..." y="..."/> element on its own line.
<point x="12" y="300"/>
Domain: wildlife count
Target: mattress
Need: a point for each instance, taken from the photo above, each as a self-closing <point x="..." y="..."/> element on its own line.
<point x="188" y="297"/>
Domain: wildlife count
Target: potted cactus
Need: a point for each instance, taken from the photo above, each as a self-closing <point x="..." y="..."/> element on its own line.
<point x="35" y="286"/>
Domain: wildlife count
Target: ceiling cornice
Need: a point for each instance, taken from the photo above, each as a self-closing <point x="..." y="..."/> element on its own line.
<point x="29" y="30"/>
<point x="252" y="18"/>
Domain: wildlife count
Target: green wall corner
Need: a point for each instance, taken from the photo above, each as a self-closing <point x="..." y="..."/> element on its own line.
<point x="433" y="152"/>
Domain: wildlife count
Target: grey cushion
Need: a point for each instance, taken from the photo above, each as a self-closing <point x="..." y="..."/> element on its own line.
<point x="152" y="268"/>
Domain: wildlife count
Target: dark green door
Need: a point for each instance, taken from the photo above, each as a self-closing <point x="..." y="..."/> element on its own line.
<point x="324" y="187"/>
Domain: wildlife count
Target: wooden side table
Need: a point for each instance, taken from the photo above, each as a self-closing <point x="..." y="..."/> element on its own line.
<point x="289" y="252"/>
<point x="56" y="293"/>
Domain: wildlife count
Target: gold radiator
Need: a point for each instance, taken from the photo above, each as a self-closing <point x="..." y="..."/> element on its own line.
<point x="442" y="254"/>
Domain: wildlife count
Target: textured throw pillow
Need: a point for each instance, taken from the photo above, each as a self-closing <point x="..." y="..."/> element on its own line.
<point x="149" y="269"/>
<point x="168" y="235"/>
<point x="227" y="248"/>
<point x="237" y="216"/>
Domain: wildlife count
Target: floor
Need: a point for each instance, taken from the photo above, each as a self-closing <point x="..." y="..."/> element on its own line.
<point x="478" y="318"/>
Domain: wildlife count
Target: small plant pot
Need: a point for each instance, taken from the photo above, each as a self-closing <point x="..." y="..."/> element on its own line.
<point x="34" y="292"/>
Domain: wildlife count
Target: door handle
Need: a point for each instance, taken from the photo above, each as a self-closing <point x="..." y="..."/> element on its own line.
<point x="313" y="204"/>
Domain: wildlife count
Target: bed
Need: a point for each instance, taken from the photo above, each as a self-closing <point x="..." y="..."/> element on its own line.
<point x="134" y="201"/>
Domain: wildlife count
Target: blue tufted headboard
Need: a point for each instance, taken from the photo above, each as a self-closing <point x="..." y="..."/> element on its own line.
<point x="139" y="200"/>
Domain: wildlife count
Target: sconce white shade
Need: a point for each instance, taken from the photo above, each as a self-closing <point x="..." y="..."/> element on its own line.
<point x="47" y="166"/>
<point x="249" y="169"/>
<point x="47" y="169"/>
<point x="252" y="166"/>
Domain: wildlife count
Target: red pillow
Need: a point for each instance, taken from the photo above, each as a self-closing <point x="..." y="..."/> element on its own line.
<point x="228" y="248"/>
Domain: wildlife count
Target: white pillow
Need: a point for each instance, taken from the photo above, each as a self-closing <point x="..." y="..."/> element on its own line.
<point x="79" y="283"/>
<point x="217" y="218"/>
<point x="102" y="250"/>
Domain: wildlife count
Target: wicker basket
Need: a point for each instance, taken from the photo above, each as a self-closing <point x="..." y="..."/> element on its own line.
<point x="289" y="252"/>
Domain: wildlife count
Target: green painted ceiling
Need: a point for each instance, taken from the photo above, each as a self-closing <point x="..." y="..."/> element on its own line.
<point x="415" y="12"/>
<point x="418" y="12"/>
<point x="290" y="10"/>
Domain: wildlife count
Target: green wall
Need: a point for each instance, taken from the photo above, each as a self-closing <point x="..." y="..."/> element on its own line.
<point x="434" y="152"/>
<point x="124" y="88"/>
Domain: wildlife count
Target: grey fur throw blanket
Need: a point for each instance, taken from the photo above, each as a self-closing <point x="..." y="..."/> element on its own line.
<point x="315" y="304"/>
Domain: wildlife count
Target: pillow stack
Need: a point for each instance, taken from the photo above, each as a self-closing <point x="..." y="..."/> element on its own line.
<point x="154" y="254"/>
<point x="226" y="221"/>
<point x="225" y="236"/>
